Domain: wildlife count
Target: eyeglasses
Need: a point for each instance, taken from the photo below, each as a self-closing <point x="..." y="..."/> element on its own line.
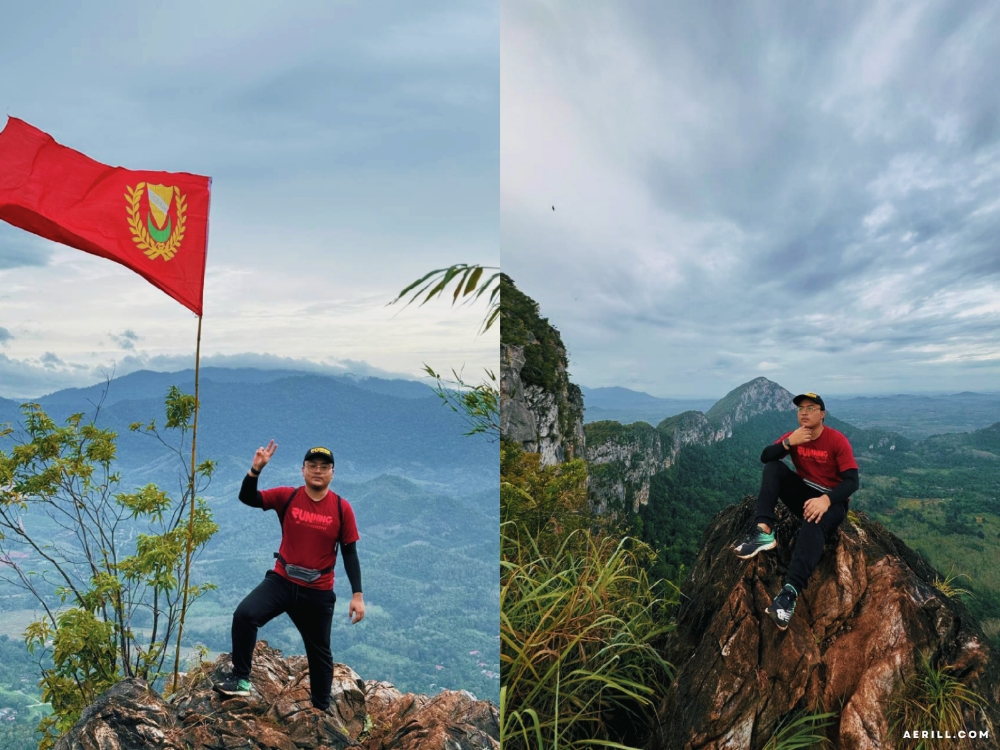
<point x="316" y="466"/>
<point x="808" y="409"/>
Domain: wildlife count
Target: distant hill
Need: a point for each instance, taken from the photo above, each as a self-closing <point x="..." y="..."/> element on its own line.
<point x="628" y="406"/>
<point x="916" y="416"/>
<point x="149" y="384"/>
<point x="919" y="417"/>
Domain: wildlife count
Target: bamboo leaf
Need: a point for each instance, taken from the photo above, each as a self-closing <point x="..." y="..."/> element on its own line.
<point x="474" y="279"/>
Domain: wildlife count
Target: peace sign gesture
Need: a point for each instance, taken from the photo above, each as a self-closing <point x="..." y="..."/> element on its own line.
<point x="263" y="455"/>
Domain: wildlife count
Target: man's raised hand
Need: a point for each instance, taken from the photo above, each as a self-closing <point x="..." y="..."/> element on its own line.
<point x="801" y="435"/>
<point x="263" y="455"/>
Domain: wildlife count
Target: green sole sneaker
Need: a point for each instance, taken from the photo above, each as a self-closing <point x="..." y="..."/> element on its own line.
<point x="754" y="542"/>
<point x="233" y="686"/>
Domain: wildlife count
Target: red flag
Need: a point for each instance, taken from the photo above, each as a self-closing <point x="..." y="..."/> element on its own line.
<point x="155" y="223"/>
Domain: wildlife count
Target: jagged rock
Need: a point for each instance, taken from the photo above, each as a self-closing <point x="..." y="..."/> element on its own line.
<point x="448" y="720"/>
<point x="870" y="609"/>
<point x="279" y="714"/>
<point x="128" y="716"/>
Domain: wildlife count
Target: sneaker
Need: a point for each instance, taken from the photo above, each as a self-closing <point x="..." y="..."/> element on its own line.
<point x="783" y="606"/>
<point x="754" y="542"/>
<point x="233" y="686"/>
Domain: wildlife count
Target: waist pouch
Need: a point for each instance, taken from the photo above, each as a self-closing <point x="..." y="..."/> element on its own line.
<point x="306" y="575"/>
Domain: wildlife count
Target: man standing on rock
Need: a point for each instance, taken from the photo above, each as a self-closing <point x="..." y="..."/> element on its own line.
<point x="819" y="494"/>
<point x="313" y="521"/>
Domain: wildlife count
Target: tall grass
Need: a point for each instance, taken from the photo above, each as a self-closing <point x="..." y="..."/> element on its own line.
<point x="932" y="698"/>
<point x="801" y="732"/>
<point x="579" y="631"/>
<point x="949" y="588"/>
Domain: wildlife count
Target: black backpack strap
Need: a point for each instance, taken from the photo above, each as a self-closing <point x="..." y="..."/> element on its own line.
<point x="340" y="527"/>
<point x="281" y="513"/>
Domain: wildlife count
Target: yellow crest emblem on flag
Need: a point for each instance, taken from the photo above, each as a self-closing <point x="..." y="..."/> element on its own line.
<point x="159" y="236"/>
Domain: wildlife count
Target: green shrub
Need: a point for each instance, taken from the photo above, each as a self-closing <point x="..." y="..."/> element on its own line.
<point x="522" y="325"/>
<point x="547" y="503"/>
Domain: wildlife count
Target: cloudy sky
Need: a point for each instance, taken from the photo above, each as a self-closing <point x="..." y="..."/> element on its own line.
<point x="804" y="191"/>
<point x="353" y="147"/>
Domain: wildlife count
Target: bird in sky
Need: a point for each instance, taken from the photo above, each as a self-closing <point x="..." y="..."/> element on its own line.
<point x="553" y="208"/>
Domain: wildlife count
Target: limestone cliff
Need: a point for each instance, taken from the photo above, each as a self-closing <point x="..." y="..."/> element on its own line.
<point x="539" y="408"/>
<point x="871" y="613"/>
<point x="624" y="460"/>
<point x="620" y="463"/>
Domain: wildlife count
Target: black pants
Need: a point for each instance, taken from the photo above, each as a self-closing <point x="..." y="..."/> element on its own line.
<point x="780" y="482"/>
<point x="311" y="611"/>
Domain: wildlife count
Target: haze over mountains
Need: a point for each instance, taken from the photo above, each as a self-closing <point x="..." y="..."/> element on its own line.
<point x="373" y="426"/>
<point x="627" y="406"/>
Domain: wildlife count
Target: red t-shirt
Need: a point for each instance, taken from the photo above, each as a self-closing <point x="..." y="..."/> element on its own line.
<point x="824" y="460"/>
<point x="309" y="531"/>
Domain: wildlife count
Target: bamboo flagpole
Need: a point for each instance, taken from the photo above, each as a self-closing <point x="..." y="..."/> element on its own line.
<point x="191" y="491"/>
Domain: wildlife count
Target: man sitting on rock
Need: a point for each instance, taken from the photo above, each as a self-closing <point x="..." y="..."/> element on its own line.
<point x="818" y="494"/>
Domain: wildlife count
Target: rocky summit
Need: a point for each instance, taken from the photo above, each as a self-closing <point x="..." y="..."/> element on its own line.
<point x="872" y="610"/>
<point x="278" y="715"/>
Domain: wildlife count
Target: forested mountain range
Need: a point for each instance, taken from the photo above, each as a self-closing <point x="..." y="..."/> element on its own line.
<point x="623" y="458"/>
<point x="914" y="415"/>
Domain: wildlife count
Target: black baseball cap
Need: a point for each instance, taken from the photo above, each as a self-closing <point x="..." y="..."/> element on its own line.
<point x="803" y="396"/>
<point x="318" y="453"/>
